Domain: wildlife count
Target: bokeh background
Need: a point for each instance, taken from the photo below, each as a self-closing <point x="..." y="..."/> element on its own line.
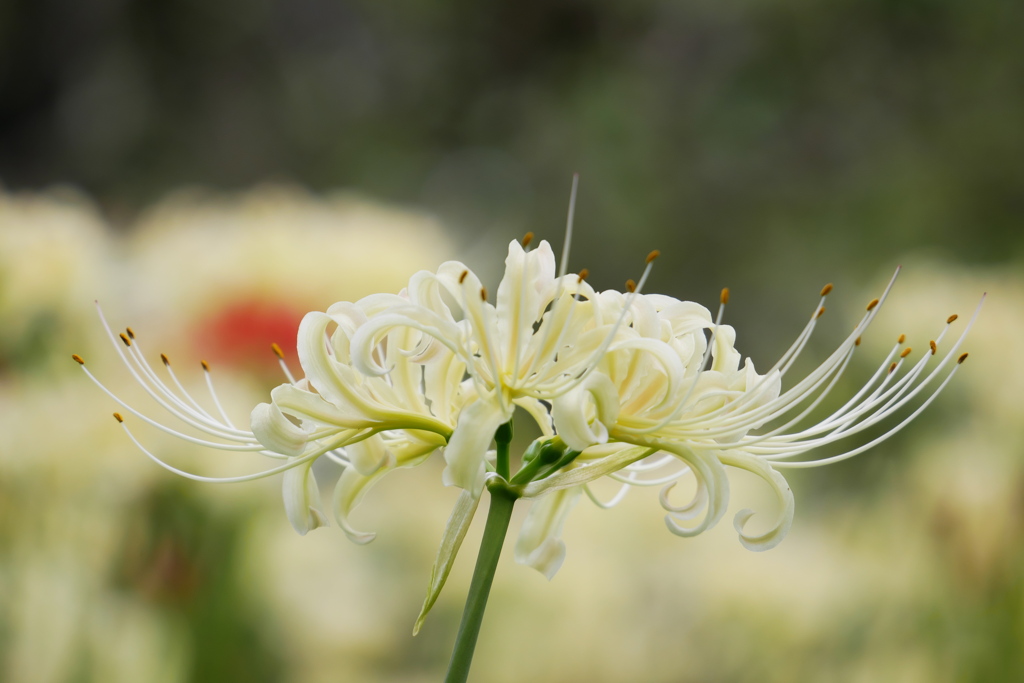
<point x="211" y="170"/>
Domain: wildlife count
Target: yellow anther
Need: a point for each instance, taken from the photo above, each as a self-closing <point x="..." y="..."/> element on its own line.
<point x="206" y="366"/>
<point x="950" y="319"/>
<point x="906" y="352"/>
<point x="653" y="255"/>
<point x="856" y="342"/>
<point x="582" y="276"/>
<point x="891" y="368"/>
<point x="78" y="359"/>
<point x="934" y="346"/>
<point x="483" y="294"/>
<point x="277" y="350"/>
<point x="117" y="416"/>
<point x="630" y="286"/>
<point x="527" y="238"/>
<point x="165" y="359"/>
<point x="826" y="289"/>
<point x="724" y="296"/>
<point x="874" y="302"/>
<point x="902" y="338"/>
<point x="125" y="339"/>
<point x="821" y="312"/>
<point x="462" y="278"/>
<point x="131" y="334"/>
<point x="961" y="359"/>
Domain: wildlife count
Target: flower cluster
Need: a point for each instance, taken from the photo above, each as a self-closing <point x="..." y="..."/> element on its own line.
<point x="641" y="388"/>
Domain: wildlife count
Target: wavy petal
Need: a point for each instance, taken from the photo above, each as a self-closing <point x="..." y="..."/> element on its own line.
<point x="276" y="432"/>
<point x="572" y="412"/>
<point x="302" y="499"/>
<point x="539" y="544"/>
<point x="408" y="451"/>
<point x="370" y="455"/>
<point x="467" y="448"/>
<point x="783" y="522"/>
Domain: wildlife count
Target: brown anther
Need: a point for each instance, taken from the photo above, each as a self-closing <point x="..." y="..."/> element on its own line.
<point x="950" y="319"/>
<point x="902" y="338"/>
<point x="582" y="276"/>
<point x="165" y="359"/>
<point x="117" y="416"/>
<point x="277" y="350"/>
<point x="856" y="342"/>
<point x="934" y="346"/>
<point x="527" y="238"/>
<point x="206" y="366"/>
<point x="906" y="352"/>
<point x="821" y="312"/>
<point x="483" y="294"/>
<point x="462" y="278"/>
<point x="874" y="302"/>
<point x="630" y="286"/>
<point x="653" y="255"/>
<point x="131" y="334"/>
<point x="724" y="296"/>
<point x="125" y="339"/>
<point x="891" y="368"/>
<point x="961" y="359"/>
<point x="78" y="359"/>
<point x="826" y="289"/>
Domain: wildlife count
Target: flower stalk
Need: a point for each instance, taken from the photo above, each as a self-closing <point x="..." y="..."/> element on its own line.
<point x="498" y="516"/>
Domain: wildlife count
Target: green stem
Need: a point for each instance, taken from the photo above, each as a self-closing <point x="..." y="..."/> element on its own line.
<point x="498" y="517"/>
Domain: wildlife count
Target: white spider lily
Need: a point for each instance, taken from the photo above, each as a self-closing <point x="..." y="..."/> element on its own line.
<point x="541" y="339"/>
<point x="368" y="425"/>
<point x="642" y="389"/>
<point x="725" y="415"/>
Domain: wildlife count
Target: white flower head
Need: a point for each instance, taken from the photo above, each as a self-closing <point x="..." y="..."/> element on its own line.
<point x="643" y="389"/>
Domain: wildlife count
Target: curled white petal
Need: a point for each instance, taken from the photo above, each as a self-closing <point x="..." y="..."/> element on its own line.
<point x="539" y="544"/>
<point x="690" y="510"/>
<point x="369" y="455"/>
<point x="780" y="487"/>
<point x="466" y="451"/>
<point x="581" y="416"/>
<point x="276" y="432"/>
<point x="302" y="499"/>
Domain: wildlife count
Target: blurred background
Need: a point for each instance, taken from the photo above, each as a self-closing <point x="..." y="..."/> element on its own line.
<point x="211" y="170"/>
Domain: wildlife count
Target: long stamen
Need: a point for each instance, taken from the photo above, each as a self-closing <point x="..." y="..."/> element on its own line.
<point x="199" y="424"/>
<point x="213" y="393"/>
<point x="787" y="359"/>
<point x="280" y="361"/>
<point x="874" y="442"/>
<point x="633" y="480"/>
<point x="174" y="378"/>
<point x="837" y="426"/>
<point x="893" y="400"/>
<point x="192" y="407"/>
<point x="293" y="462"/>
<point x="243" y="446"/>
<point x="615" y="500"/>
<point x="563" y="267"/>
